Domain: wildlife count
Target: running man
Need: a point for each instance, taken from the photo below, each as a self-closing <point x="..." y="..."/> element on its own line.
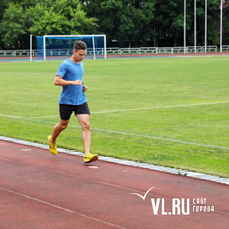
<point x="72" y="98"/>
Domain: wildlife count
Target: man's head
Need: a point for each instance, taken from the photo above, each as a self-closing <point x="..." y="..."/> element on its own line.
<point x="79" y="50"/>
<point x="79" y="45"/>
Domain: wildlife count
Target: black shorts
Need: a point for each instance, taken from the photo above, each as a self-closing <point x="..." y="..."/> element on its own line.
<point x="66" y="110"/>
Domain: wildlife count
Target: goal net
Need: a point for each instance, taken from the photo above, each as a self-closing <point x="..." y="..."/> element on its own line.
<point x="61" y="46"/>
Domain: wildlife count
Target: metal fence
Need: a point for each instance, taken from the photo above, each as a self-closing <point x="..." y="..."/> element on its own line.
<point x="117" y="51"/>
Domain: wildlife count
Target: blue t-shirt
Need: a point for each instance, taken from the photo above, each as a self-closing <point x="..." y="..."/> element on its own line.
<point x="71" y="94"/>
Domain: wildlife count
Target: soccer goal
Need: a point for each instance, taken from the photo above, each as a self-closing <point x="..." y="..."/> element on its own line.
<point x="61" y="46"/>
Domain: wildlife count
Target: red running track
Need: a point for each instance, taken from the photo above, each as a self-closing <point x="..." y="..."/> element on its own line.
<point x="39" y="190"/>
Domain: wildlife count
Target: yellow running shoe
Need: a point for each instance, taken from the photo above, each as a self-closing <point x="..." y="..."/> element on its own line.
<point x="52" y="146"/>
<point x="89" y="157"/>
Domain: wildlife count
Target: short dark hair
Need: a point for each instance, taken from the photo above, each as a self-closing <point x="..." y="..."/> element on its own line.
<point x="79" y="45"/>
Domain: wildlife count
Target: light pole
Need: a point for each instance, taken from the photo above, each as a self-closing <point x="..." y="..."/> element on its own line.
<point x="221" y="24"/>
<point x="184" y="26"/>
<point x="194" y="26"/>
<point x="206" y="24"/>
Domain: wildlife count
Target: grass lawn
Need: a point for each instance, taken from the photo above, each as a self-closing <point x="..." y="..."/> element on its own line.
<point x="164" y="111"/>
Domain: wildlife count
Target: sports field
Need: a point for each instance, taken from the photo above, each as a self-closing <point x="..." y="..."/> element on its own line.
<point x="165" y="111"/>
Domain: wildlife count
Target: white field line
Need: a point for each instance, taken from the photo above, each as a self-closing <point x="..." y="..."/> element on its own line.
<point x="28" y="118"/>
<point x="137" y="135"/>
<point x="50" y="116"/>
<point x="160" y="107"/>
<point x="161" y="139"/>
<point x="134" y="109"/>
<point x="11" y="116"/>
<point x="140" y="135"/>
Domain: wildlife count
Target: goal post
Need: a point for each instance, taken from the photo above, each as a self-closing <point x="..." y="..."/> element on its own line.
<point x="60" y="46"/>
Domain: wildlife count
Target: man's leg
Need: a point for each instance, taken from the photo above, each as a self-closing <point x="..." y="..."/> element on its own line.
<point x="57" y="129"/>
<point x="86" y="137"/>
<point x="86" y="131"/>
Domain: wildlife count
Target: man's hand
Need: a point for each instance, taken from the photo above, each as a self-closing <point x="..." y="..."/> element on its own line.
<point x="77" y="82"/>
<point x="84" y="88"/>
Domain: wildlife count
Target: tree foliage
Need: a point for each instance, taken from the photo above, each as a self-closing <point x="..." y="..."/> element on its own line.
<point x="169" y="20"/>
<point x="43" y="17"/>
<point x="127" y="22"/>
<point x="124" y="20"/>
<point x="61" y="17"/>
<point x="13" y="24"/>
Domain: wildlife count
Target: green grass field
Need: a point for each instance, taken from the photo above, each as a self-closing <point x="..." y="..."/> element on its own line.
<point x="165" y="111"/>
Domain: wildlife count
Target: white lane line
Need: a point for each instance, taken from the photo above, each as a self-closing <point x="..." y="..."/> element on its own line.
<point x="50" y="116"/>
<point x="143" y="136"/>
<point x="11" y="116"/>
<point x="160" y="107"/>
<point x="26" y="118"/>
<point x="137" y="135"/>
<point x="113" y="111"/>
<point x="162" y="139"/>
<point x="59" y="207"/>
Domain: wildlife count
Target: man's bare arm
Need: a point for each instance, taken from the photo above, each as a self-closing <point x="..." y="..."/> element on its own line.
<point x="59" y="81"/>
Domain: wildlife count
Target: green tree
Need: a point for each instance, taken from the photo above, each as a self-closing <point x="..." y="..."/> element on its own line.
<point x="13" y="25"/>
<point x="226" y="22"/>
<point x="94" y="10"/>
<point x="130" y="22"/>
<point x="3" y="6"/>
<point x="60" y="17"/>
<point x="40" y="17"/>
<point x="169" y="21"/>
<point x="212" y="21"/>
<point x="127" y="20"/>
